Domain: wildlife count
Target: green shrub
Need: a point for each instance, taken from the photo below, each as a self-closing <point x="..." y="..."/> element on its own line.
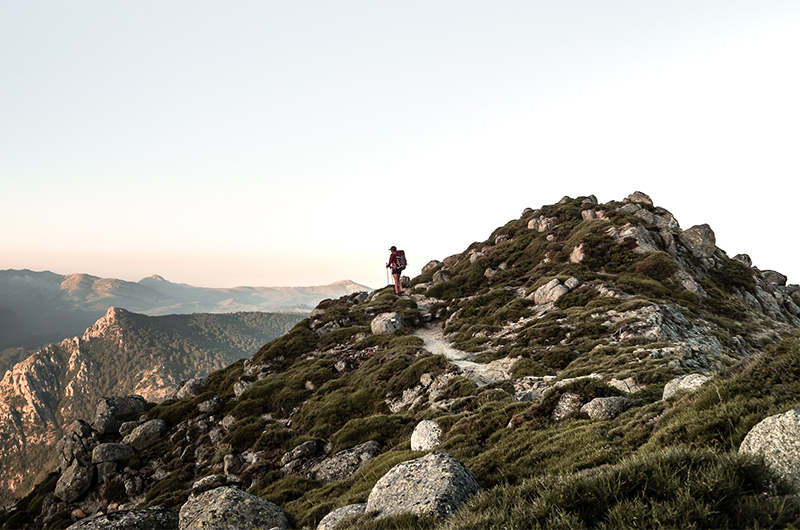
<point x="389" y="430"/>
<point x="656" y="265"/>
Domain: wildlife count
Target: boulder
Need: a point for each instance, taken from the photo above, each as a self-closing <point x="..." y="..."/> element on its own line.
<point x="112" y="452"/>
<point x="308" y="449"/>
<point x="550" y="292"/>
<point x="426" y="436"/>
<point x="345" y="464"/>
<point x="386" y="323"/>
<point x="192" y="388"/>
<point x="75" y="481"/>
<point x="777" y="440"/>
<point x="78" y="442"/>
<point x="435" y="485"/>
<point x="644" y="240"/>
<point x="606" y="408"/>
<point x="146" y="434"/>
<point x="568" y="406"/>
<point x="225" y="508"/>
<point x="441" y="276"/>
<point x="155" y="518"/>
<point x="638" y="196"/>
<point x="775" y="278"/>
<point x="111" y="411"/>
<point x="700" y="240"/>
<point x="627" y="385"/>
<point x="120" y="406"/>
<point x="688" y="382"/>
<point x="542" y="223"/>
<point x="431" y="265"/>
<point x="334" y="519"/>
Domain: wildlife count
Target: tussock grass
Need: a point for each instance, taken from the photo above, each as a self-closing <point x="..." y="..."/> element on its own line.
<point x="677" y="488"/>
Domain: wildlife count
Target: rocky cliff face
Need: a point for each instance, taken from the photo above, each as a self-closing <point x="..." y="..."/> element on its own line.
<point x="588" y="365"/>
<point x="121" y="353"/>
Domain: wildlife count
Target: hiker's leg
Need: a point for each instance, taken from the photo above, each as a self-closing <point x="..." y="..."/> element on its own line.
<point x="398" y="288"/>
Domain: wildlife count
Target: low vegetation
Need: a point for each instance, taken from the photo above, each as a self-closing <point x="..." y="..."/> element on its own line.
<point x="662" y="463"/>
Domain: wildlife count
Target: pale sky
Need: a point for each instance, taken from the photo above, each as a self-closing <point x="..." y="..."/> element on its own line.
<point x="224" y="143"/>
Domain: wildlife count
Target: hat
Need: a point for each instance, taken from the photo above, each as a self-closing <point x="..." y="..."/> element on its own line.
<point x="393" y="248"/>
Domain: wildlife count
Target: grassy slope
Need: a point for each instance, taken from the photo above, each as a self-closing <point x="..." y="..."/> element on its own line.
<point x="662" y="464"/>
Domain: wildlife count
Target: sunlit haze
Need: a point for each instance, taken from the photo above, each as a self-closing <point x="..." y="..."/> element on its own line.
<point x="225" y="143"/>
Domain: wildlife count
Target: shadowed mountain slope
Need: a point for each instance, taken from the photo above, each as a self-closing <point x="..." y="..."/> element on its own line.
<point x="122" y="353"/>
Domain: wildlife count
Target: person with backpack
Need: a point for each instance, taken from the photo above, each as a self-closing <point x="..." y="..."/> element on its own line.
<point x="397" y="262"/>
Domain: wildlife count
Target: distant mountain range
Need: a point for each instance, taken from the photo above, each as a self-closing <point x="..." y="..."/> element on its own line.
<point x="41" y="307"/>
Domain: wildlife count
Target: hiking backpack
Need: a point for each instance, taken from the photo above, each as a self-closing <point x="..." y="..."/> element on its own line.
<point x="399" y="260"/>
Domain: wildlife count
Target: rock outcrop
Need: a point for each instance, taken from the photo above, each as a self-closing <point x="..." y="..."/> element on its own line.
<point x="435" y="485"/>
<point x="777" y="440"/>
<point x="689" y="383"/>
<point x="386" y="323"/>
<point x="426" y="436"/>
<point x="225" y="508"/>
<point x="155" y="518"/>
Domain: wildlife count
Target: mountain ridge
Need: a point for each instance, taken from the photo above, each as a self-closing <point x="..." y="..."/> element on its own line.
<point x="42" y="307"/>
<point x="588" y="365"/>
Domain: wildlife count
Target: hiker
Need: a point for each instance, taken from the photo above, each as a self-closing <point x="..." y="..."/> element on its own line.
<point x="397" y="262"/>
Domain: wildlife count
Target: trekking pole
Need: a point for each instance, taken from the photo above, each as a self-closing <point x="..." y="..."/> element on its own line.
<point x="387" y="275"/>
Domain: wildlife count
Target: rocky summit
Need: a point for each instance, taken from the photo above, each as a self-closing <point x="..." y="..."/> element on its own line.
<point x="586" y="366"/>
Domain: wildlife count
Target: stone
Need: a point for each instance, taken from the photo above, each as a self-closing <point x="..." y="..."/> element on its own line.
<point x="192" y="388"/>
<point x="77" y="443"/>
<point x="568" y="406"/>
<point x="146" y="434"/>
<point x="644" y="240"/>
<point x="240" y="387"/>
<point x="638" y="196"/>
<point x="430" y="265"/>
<point x="308" y="449"/>
<point x="688" y="382"/>
<point x="105" y="471"/>
<point x="572" y="283"/>
<point x="578" y="254"/>
<point x="127" y="427"/>
<point x="386" y="323"/>
<point x="775" y="278"/>
<point x="110" y="411"/>
<point x="744" y="258"/>
<point x="210" y="406"/>
<point x="335" y="519"/>
<point x="606" y="408"/>
<point x="155" y="518"/>
<point x="434" y="485"/>
<point x="542" y="223"/>
<point x="700" y="240"/>
<point x="627" y="385"/>
<point x="441" y="276"/>
<point x="550" y="292"/>
<point x="120" y="406"/>
<point x="345" y="464"/>
<point x="112" y="452"/>
<point x="777" y="440"/>
<point x="226" y="507"/>
<point x="75" y="481"/>
<point x="426" y="436"/>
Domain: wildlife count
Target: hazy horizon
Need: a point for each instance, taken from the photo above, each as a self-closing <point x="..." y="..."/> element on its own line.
<point x="243" y="143"/>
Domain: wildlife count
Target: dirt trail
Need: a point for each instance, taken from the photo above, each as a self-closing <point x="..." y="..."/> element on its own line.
<point x="482" y="374"/>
